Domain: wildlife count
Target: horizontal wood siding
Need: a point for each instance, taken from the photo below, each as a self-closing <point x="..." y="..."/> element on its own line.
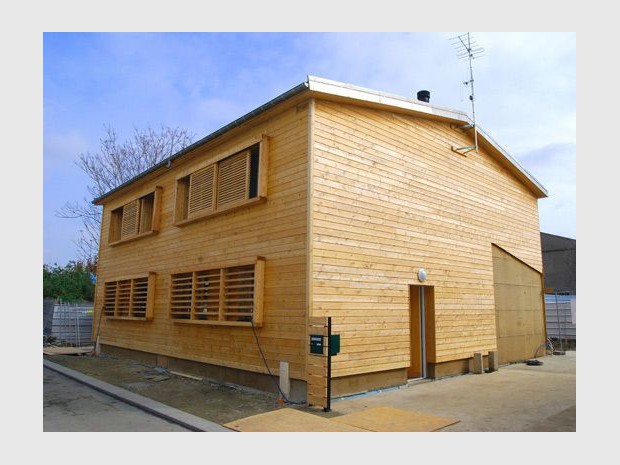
<point x="275" y="229"/>
<point x="390" y="197"/>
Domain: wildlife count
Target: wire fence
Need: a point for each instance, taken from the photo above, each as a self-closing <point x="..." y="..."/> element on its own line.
<point x="71" y="325"/>
<point x="561" y="320"/>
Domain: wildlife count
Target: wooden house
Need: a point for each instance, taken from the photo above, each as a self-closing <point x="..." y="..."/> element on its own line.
<point x="329" y="200"/>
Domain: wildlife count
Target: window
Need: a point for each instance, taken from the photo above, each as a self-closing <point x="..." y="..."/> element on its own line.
<point x="129" y="298"/>
<point x="229" y="296"/>
<point x="230" y="182"/>
<point x="135" y="219"/>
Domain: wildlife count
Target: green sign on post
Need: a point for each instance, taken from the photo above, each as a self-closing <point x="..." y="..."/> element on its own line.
<point x="316" y="344"/>
<point x="334" y="344"/>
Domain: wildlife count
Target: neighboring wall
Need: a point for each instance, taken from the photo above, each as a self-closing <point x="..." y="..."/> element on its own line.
<point x="390" y="197"/>
<point x="275" y="230"/>
<point x="560" y="262"/>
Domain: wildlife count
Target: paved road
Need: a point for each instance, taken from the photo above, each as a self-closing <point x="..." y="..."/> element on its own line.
<point x="72" y="406"/>
<point x="515" y="398"/>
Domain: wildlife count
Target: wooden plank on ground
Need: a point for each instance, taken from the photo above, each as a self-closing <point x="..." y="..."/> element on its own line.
<point x="388" y="419"/>
<point x="289" y="420"/>
<point x="67" y="350"/>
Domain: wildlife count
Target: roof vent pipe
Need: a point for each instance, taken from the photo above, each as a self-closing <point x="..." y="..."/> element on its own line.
<point x="424" y="96"/>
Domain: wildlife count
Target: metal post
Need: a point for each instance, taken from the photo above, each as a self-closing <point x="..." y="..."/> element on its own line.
<point x="329" y="366"/>
<point x="77" y="327"/>
<point x="557" y="311"/>
<point x="473" y="97"/>
<point x="422" y="332"/>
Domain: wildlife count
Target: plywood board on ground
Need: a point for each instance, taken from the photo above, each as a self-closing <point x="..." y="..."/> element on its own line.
<point x="387" y="419"/>
<point x="67" y="350"/>
<point x="289" y="420"/>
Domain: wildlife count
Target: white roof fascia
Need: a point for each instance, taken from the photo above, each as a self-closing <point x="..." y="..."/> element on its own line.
<point x="341" y="89"/>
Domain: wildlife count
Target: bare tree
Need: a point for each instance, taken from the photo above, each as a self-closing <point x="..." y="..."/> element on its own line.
<point x="116" y="163"/>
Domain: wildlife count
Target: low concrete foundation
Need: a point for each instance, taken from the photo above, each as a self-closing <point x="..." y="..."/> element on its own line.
<point x="341" y="386"/>
<point x="493" y="361"/>
<point x="218" y="373"/>
<point x="477" y="364"/>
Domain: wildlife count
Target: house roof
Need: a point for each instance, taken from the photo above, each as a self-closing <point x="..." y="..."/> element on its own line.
<point x="334" y="89"/>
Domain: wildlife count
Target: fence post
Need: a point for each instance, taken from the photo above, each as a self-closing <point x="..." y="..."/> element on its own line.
<point x="557" y="311"/>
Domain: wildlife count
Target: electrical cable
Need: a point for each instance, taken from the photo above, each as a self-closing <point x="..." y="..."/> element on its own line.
<point x="286" y="400"/>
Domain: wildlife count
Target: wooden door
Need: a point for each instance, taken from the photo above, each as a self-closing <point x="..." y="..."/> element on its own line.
<point x="421" y="330"/>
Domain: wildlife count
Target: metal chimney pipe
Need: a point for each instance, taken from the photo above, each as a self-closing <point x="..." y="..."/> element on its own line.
<point x="424" y="96"/>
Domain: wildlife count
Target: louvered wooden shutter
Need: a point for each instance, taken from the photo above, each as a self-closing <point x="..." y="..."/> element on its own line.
<point x="239" y="292"/>
<point x="123" y="297"/>
<point x="201" y="191"/>
<point x="109" y="298"/>
<point x="207" y="295"/>
<point x="233" y="178"/>
<point x="129" y="224"/>
<point x="139" y="296"/>
<point x="181" y="296"/>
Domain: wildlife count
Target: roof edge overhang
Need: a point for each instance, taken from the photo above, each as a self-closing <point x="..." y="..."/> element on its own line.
<point x="334" y="89"/>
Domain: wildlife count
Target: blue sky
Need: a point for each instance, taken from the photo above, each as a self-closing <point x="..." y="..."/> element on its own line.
<point x="525" y="96"/>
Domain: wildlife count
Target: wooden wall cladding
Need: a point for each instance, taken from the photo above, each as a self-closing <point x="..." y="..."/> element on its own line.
<point x="389" y="197"/>
<point x="275" y="229"/>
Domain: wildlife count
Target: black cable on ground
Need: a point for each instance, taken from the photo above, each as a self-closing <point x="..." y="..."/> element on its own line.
<point x="286" y="400"/>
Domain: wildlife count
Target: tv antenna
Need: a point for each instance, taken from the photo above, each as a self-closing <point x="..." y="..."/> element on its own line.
<point x="467" y="50"/>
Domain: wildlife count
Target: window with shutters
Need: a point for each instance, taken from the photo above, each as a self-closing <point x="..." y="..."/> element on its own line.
<point x="228" y="183"/>
<point x="221" y="296"/>
<point x="129" y="298"/>
<point x="135" y="219"/>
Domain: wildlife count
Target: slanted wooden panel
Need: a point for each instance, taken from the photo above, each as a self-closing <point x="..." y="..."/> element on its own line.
<point x="259" y="290"/>
<point x="263" y="166"/>
<point x="116" y="220"/>
<point x="201" y="185"/>
<point x="147" y="208"/>
<point x="131" y="215"/>
<point x="518" y="307"/>
<point x="181" y="210"/>
<point x="150" y="296"/>
<point x="233" y="179"/>
<point x="157" y="195"/>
